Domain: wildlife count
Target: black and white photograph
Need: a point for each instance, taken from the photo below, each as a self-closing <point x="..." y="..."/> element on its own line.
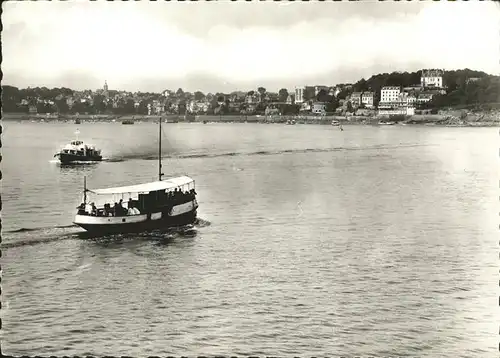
<point x="250" y="178"/>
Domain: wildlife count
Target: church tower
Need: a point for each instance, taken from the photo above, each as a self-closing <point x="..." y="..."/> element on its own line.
<point x="105" y="92"/>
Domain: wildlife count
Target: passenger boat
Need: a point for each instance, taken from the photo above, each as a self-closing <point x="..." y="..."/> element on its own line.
<point x="78" y="151"/>
<point x="141" y="207"/>
<point x="128" y="121"/>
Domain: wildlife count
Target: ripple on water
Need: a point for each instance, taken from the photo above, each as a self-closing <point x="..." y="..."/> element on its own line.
<point x="367" y="247"/>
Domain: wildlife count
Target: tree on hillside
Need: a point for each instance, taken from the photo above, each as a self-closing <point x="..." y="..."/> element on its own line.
<point x="62" y="106"/>
<point x="343" y="94"/>
<point x="220" y="97"/>
<point x="143" y="107"/>
<point x="332" y="105"/>
<point x="309" y="93"/>
<point x="129" y="106"/>
<point x="283" y="95"/>
<point x="199" y="96"/>
<point x="360" y="86"/>
<point x="323" y="96"/>
<point x="180" y="92"/>
<point x="261" y="90"/>
<point x="99" y="103"/>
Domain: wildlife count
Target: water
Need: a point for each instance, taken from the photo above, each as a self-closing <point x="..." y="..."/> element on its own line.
<point x="372" y="241"/>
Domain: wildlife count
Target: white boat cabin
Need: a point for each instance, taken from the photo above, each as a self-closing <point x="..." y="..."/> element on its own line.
<point x="139" y="199"/>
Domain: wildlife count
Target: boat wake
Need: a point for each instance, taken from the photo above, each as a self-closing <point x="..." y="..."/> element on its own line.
<point x="40" y="235"/>
<point x="261" y="152"/>
<point x="26" y="229"/>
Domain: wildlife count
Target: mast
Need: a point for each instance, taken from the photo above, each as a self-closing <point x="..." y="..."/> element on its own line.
<point x="160" y="174"/>
<point x="85" y="190"/>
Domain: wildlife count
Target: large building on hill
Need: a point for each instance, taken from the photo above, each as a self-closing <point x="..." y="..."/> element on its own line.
<point x="389" y="94"/>
<point x="431" y="78"/>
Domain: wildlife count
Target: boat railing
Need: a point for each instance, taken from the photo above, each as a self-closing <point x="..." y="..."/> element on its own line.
<point x="107" y="210"/>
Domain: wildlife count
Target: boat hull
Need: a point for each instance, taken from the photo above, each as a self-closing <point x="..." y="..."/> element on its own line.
<point x="138" y="223"/>
<point x="66" y="158"/>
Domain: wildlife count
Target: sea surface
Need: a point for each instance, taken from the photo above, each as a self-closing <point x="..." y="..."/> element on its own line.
<point x="377" y="241"/>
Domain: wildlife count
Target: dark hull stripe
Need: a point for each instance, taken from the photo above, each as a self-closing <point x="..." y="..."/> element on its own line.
<point x="167" y="222"/>
<point x="68" y="158"/>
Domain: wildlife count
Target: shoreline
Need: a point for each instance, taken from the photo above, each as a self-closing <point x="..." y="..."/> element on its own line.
<point x="442" y="120"/>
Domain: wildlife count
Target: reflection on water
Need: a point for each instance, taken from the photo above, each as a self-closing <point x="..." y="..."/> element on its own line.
<point x="327" y="240"/>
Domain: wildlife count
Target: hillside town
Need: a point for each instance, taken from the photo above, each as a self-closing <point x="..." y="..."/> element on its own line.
<point x="362" y="98"/>
<point x="390" y="100"/>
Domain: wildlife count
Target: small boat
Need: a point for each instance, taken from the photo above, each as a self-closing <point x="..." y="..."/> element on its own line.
<point x="128" y="121"/>
<point x="291" y="122"/>
<point x="159" y="204"/>
<point x="78" y="151"/>
<point x="335" y="123"/>
<point x="77" y="121"/>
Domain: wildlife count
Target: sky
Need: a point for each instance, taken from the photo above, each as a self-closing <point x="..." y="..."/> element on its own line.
<point x="227" y="46"/>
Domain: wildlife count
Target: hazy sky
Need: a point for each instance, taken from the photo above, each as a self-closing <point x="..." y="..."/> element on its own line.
<point x="151" y="46"/>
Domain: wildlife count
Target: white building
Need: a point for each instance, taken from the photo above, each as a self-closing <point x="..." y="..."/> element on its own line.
<point x="299" y="94"/>
<point x="356" y="99"/>
<point x="404" y="110"/>
<point x="318" y="108"/>
<point x="432" y="78"/>
<point x="411" y="99"/>
<point x="396" y="102"/>
<point x="367" y="99"/>
<point x="424" y="97"/>
<point x="389" y="94"/>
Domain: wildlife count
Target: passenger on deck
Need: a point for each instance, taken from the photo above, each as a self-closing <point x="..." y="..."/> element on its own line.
<point x="94" y="209"/>
<point x="130" y="203"/>
<point x="122" y="210"/>
<point x="116" y="209"/>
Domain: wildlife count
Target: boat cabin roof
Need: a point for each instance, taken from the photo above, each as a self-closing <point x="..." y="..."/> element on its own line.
<point x="170" y="183"/>
<point x="76" y="142"/>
